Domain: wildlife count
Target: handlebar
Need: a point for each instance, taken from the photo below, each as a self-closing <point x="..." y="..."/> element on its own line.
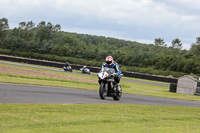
<point x="115" y="75"/>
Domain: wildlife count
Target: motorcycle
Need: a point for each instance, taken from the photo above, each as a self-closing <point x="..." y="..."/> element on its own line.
<point x="108" y="85"/>
<point x="85" y="70"/>
<point x="68" y="68"/>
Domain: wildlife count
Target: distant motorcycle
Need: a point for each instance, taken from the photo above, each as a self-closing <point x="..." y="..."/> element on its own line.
<point x="108" y="85"/>
<point x="68" y="68"/>
<point x="85" y="70"/>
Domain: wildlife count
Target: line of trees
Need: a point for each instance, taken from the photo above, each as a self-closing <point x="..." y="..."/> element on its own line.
<point x="46" y="38"/>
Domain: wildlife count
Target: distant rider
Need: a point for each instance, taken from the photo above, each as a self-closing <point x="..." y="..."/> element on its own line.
<point x="84" y="67"/>
<point x="66" y="64"/>
<point x="110" y="63"/>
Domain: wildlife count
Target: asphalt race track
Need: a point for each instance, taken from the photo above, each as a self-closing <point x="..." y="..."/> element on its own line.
<point x="18" y="93"/>
<point x="130" y="80"/>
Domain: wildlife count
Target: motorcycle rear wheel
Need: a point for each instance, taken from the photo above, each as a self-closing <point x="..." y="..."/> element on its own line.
<point x="118" y="95"/>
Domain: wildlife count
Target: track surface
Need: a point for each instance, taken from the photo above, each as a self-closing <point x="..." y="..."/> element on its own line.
<point x="130" y="80"/>
<point x="17" y="93"/>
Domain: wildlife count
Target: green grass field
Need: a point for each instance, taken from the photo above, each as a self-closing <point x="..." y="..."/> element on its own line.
<point x="96" y="118"/>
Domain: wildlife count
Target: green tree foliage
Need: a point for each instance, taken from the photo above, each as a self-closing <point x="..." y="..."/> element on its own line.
<point x="195" y="49"/>
<point x="46" y="38"/>
<point x="159" y="42"/>
<point x="3" y="26"/>
<point x="30" y="25"/>
<point x="176" y="43"/>
<point x="22" y="25"/>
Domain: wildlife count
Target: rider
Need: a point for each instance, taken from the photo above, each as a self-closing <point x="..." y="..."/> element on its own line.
<point x="66" y="64"/>
<point x="110" y="63"/>
<point x="84" y="67"/>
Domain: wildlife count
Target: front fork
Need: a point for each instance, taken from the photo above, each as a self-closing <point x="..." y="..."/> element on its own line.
<point x="104" y="83"/>
<point x="107" y="85"/>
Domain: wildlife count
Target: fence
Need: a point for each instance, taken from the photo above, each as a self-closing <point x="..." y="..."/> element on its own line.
<point x="92" y="69"/>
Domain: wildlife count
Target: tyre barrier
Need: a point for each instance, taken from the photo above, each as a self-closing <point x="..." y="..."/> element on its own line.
<point x="198" y="90"/>
<point x="92" y="69"/>
<point x="150" y="77"/>
<point x="198" y="84"/>
<point x="172" y="87"/>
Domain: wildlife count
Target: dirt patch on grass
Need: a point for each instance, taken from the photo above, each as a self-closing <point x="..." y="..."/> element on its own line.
<point x="26" y="72"/>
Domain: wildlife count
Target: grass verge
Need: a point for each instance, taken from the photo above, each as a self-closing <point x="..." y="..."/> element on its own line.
<point x="90" y="118"/>
<point x="69" y="74"/>
<point x="20" y="79"/>
<point x="128" y="87"/>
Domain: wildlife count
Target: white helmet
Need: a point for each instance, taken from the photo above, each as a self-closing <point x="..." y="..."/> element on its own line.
<point x="109" y="60"/>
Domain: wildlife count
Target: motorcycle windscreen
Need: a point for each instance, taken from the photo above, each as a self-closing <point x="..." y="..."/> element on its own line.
<point x="109" y="70"/>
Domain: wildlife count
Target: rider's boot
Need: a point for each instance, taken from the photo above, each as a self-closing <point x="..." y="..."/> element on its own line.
<point x="119" y="89"/>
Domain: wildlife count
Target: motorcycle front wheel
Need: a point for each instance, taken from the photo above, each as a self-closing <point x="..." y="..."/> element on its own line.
<point x="102" y="91"/>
